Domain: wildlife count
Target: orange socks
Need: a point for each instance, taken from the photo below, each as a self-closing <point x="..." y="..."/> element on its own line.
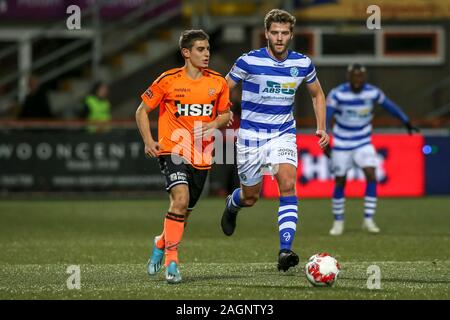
<point x="160" y="243"/>
<point x="173" y="232"/>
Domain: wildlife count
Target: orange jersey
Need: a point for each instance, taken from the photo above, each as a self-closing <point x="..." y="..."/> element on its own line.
<point x="185" y="102"/>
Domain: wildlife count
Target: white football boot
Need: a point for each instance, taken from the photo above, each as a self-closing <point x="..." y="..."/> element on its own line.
<point x="338" y="228"/>
<point x="370" y="226"/>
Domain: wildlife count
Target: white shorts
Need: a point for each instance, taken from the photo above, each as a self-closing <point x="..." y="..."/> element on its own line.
<point x="363" y="157"/>
<point x="255" y="161"/>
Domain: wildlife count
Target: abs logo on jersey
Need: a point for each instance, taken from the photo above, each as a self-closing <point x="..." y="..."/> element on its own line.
<point x="360" y="113"/>
<point x="287" y="88"/>
<point x="194" y="109"/>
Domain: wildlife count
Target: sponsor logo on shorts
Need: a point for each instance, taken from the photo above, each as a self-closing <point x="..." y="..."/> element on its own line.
<point x="178" y="176"/>
<point x="286" y="152"/>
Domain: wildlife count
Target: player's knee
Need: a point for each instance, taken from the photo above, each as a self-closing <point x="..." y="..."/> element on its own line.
<point x="370" y="176"/>
<point x="340" y="181"/>
<point x="180" y="202"/>
<point x="250" y="200"/>
<point x="287" y="187"/>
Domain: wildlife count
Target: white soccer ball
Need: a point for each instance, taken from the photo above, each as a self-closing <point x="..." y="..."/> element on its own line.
<point x="322" y="270"/>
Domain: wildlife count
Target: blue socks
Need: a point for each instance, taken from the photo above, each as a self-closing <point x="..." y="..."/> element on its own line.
<point x="370" y="200"/>
<point x="235" y="203"/>
<point x="287" y="216"/>
<point x="338" y="203"/>
<point x="287" y="221"/>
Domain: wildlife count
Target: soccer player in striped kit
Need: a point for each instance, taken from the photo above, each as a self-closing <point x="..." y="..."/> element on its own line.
<point x="352" y="105"/>
<point x="267" y="135"/>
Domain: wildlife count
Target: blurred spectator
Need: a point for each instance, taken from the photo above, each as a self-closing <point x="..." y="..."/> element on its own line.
<point x="7" y="104"/>
<point x="97" y="108"/>
<point x="36" y="105"/>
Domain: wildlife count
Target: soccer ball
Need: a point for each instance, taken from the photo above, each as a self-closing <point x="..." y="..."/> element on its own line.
<point x="322" y="270"/>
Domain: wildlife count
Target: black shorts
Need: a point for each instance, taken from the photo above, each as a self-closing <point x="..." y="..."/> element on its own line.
<point x="183" y="173"/>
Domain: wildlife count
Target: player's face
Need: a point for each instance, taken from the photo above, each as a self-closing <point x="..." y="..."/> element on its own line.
<point x="278" y="38"/>
<point x="357" y="79"/>
<point x="199" y="54"/>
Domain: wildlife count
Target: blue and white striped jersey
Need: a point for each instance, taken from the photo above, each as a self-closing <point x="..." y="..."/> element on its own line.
<point x="268" y="92"/>
<point x="353" y="113"/>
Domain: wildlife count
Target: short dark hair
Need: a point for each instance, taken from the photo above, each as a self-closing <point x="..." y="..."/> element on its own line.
<point x="188" y="37"/>
<point x="356" y="67"/>
<point x="279" y="16"/>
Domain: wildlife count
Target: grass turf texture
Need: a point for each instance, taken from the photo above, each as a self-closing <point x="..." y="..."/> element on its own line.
<point x="111" y="241"/>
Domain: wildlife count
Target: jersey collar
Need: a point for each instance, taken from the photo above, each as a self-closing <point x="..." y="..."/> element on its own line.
<point x="276" y="60"/>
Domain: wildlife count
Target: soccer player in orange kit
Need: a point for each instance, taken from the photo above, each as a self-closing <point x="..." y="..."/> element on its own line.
<point x="194" y="101"/>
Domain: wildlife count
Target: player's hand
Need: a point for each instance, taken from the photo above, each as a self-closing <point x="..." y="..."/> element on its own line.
<point x="205" y="130"/>
<point x="324" y="138"/>
<point x="152" y="149"/>
<point x="231" y="119"/>
<point x="411" y="129"/>
<point x="327" y="151"/>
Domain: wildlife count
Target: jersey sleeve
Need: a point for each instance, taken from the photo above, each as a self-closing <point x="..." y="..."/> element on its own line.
<point x="224" y="103"/>
<point x="332" y="104"/>
<point x="310" y="73"/>
<point x="153" y="96"/>
<point x="240" y="70"/>
<point x="381" y="97"/>
<point x="331" y="100"/>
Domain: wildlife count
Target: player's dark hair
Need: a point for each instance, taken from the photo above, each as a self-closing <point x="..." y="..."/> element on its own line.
<point x="356" y="67"/>
<point x="188" y="37"/>
<point x="279" y="16"/>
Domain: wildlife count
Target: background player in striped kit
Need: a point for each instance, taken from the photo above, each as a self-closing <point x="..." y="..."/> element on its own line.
<point x="352" y="105"/>
<point x="267" y="135"/>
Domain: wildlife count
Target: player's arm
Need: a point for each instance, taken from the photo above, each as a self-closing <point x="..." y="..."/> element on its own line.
<point x="207" y="129"/>
<point x="151" y="147"/>
<point x="395" y="111"/>
<point x="332" y="104"/>
<point x="329" y="117"/>
<point x="319" y="104"/>
<point x="223" y="117"/>
<point x="231" y="83"/>
<point x="238" y="73"/>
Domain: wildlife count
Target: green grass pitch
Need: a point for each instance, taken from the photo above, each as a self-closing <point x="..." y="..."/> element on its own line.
<point x="111" y="239"/>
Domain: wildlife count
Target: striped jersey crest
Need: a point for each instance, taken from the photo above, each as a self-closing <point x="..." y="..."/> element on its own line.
<point x="353" y="115"/>
<point x="268" y="92"/>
